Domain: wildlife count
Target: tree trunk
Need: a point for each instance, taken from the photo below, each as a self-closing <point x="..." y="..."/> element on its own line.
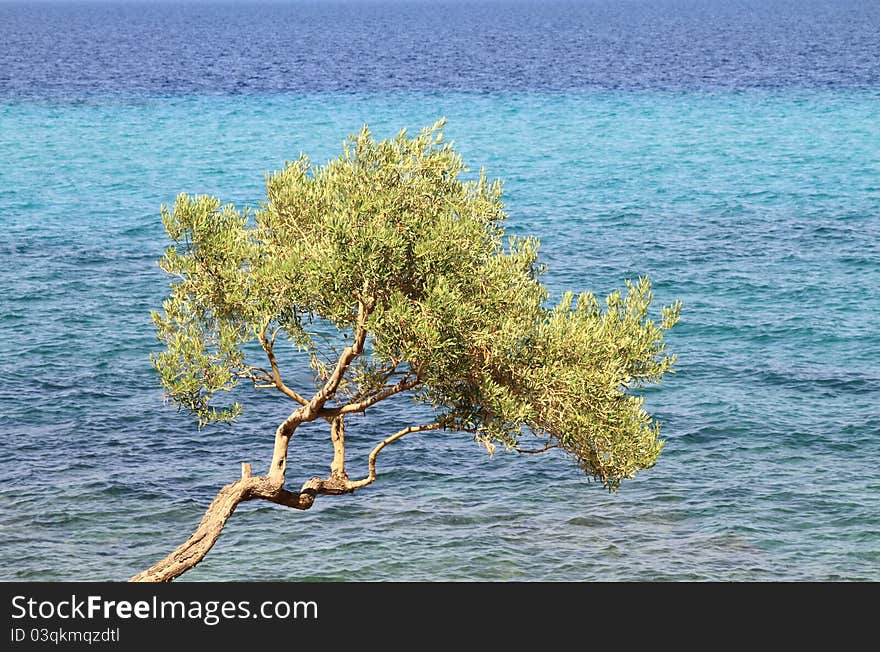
<point x="268" y="487"/>
<point x="194" y="549"/>
<point x="271" y="486"/>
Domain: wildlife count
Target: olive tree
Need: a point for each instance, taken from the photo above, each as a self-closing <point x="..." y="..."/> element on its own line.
<point x="401" y="253"/>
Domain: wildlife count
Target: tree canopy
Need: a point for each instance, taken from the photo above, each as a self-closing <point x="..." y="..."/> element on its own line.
<point x="402" y="251"/>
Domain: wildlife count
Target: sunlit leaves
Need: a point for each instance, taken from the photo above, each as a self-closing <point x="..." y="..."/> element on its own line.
<point x="401" y="233"/>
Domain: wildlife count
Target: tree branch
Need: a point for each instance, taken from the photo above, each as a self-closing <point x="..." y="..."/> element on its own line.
<point x="391" y="370"/>
<point x="360" y="406"/>
<point x="536" y="451"/>
<point x="255" y="373"/>
<point x="348" y="354"/>
<point x="337" y="437"/>
<point x="303" y="499"/>
<point x="269" y="347"/>
<point x="371" y="460"/>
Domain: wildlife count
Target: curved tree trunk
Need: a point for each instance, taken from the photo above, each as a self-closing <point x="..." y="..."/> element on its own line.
<point x="271" y="486"/>
<point x="267" y="487"/>
<point x="200" y="542"/>
<point x="194" y="549"/>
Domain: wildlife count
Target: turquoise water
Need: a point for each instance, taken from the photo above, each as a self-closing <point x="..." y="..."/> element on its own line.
<point x="760" y="209"/>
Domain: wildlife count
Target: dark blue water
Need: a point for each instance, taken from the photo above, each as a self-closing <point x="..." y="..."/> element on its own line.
<point x="64" y="50"/>
<point x="730" y="150"/>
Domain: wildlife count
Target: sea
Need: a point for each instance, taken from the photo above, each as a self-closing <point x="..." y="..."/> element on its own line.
<point x="727" y="149"/>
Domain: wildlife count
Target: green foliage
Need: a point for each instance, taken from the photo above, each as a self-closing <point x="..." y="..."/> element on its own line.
<point x="391" y="231"/>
